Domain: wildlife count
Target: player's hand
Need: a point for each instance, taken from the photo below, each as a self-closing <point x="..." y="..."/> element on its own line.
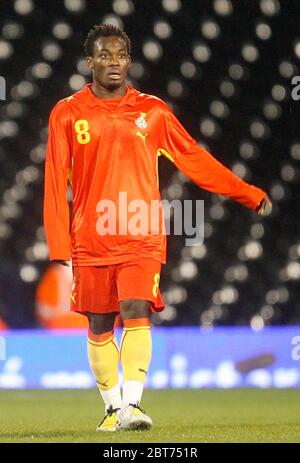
<point x="66" y="263"/>
<point x="265" y="207"/>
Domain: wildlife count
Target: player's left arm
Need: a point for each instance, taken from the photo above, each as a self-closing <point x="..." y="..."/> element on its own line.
<point x="206" y="171"/>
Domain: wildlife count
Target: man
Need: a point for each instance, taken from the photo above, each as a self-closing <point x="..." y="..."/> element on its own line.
<point x="107" y="138"/>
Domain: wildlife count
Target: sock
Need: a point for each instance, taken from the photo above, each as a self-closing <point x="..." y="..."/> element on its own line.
<point x="103" y="354"/>
<point x="135" y="353"/>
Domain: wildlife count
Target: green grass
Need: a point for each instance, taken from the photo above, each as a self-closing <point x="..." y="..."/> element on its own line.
<point x="236" y="415"/>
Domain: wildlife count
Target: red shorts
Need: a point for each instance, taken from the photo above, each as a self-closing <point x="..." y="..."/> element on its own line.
<point x="100" y="289"/>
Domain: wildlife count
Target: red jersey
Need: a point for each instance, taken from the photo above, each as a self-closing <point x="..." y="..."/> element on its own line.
<point x="107" y="147"/>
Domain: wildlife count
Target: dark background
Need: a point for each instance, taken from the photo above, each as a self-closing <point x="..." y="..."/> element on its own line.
<point x="240" y="108"/>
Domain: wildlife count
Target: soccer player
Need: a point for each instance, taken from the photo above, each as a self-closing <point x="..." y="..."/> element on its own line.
<point x="106" y="139"/>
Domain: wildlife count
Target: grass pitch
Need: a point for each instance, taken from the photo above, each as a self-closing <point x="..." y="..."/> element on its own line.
<point x="236" y="415"/>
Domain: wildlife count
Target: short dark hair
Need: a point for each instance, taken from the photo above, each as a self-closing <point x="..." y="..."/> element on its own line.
<point x="104" y="30"/>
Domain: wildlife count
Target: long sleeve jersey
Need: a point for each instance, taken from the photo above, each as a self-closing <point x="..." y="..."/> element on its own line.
<point x="109" y="149"/>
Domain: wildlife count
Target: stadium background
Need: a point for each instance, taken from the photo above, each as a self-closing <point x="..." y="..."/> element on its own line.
<point x="226" y="69"/>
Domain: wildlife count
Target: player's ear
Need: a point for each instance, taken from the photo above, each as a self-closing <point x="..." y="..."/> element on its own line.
<point x="90" y="62"/>
<point x="130" y="61"/>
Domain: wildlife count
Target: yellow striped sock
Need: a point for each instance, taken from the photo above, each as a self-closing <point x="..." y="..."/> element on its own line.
<point x="103" y="354"/>
<point x="136" y="347"/>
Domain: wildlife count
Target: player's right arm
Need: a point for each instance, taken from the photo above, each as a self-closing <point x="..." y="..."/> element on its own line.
<point x="57" y="168"/>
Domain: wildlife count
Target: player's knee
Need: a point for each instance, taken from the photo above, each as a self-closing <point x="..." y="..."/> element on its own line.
<point x="101" y="323"/>
<point x="134" y="308"/>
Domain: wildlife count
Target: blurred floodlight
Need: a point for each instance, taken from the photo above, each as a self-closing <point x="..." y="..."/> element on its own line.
<point x="206" y="318"/>
<point x="295" y="151"/>
<point x="236" y="71"/>
<point x="23" y="6"/>
<point x="208" y="230"/>
<point x="8" y="129"/>
<point x="250" y="53"/>
<point x="37" y="154"/>
<point x="288" y="173"/>
<point x="271" y="110"/>
<point x="208" y="127"/>
<point x="40" y="251"/>
<point x="216" y="212"/>
<point x="188" y="270"/>
<point x="277" y="192"/>
<point x="41" y="70"/>
<point x="6" y="49"/>
<point x="176" y="295"/>
<point x="240" y="169"/>
<point x="280" y="295"/>
<point x="279" y="92"/>
<point x="172" y="6"/>
<point x="270" y="7"/>
<point x="30" y="174"/>
<point x="24" y="89"/>
<point x="188" y="69"/>
<point x="252" y="250"/>
<point x="201" y="52"/>
<point x="263" y="31"/>
<point x="259" y="129"/>
<point x="5" y="230"/>
<point x="257" y="323"/>
<point x="219" y="109"/>
<point x="123" y="7"/>
<point x="51" y="51"/>
<point x="297" y="48"/>
<point x="75" y="6"/>
<point x="248" y="150"/>
<point x="137" y="70"/>
<point x="199" y="251"/>
<point x="175" y="191"/>
<point x="169" y="314"/>
<point x="15" y="109"/>
<point x="210" y="29"/>
<point x="287" y="69"/>
<point x="227" y="295"/>
<point x="11" y="210"/>
<point x="113" y="19"/>
<point x="294" y="251"/>
<point x="257" y="231"/>
<point x="62" y="30"/>
<point x="227" y="89"/>
<point x="175" y="88"/>
<point x="76" y="82"/>
<point x="29" y="273"/>
<point x="82" y="67"/>
<point x="267" y="311"/>
<point x="293" y="270"/>
<point x="223" y="7"/>
<point x="12" y="30"/>
<point x="152" y="50"/>
<point x="40" y="233"/>
<point x="162" y="29"/>
<point x="236" y="273"/>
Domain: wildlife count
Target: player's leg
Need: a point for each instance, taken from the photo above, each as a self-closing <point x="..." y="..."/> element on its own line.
<point x="93" y="288"/>
<point x="138" y="294"/>
<point x="136" y="346"/>
<point x="103" y="354"/>
<point x="135" y="354"/>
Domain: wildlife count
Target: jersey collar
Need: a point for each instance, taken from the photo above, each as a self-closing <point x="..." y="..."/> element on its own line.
<point x="128" y="99"/>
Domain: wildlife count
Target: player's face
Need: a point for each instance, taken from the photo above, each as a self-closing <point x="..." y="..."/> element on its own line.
<point x="110" y="62"/>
